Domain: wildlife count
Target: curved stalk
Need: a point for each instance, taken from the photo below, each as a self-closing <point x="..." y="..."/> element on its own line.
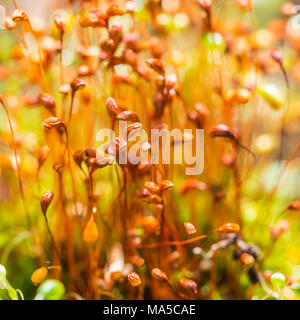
<point x="52" y="239"/>
<point x="16" y="161"/>
<point x="173" y="243"/>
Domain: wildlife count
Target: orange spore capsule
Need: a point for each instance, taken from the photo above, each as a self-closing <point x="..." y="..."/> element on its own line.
<point x="134" y="279"/>
<point x="39" y="275"/>
<point x="91" y="233"/>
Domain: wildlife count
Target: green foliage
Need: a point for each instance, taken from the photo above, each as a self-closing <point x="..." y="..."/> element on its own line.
<point x="50" y="289"/>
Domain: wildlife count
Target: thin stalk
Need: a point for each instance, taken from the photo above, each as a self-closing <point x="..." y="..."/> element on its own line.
<point x="249" y="151"/>
<point x="71" y="108"/>
<point x="289" y="159"/>
<point x="69" y="233"/>
<point x="60" y="58"/>
<point x="237" y="193"/>
<point x="68" y="222"/>
<point x="288" y="101"/>
<point x="173" y="243"/>
<point x="67" y="149"/>
<point x="16" y="160"/>
<point x="52" y="239"/>
<point x="124" y="213"/>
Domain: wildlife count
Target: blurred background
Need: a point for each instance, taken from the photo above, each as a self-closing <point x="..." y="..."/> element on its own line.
<point x="195" y="70"/>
